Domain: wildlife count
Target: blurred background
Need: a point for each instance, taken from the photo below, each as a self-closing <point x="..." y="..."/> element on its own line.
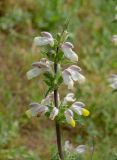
<point x="91" y="26"/>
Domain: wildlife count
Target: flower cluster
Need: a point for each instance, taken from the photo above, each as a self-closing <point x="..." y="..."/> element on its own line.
<point x="73" y="106"/>
<point x="69" y="76"/>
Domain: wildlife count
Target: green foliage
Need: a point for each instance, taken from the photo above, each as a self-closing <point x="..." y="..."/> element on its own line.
<point x="13" y="18"/>
<point x="17" y="153"/>
<point x="68" y="156"/>
<point x="8" y="132"/>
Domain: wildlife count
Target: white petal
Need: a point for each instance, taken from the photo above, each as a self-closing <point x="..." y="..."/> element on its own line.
<point x="75" y="74"/>
<point x="75" y="68"/>
<point x="113" y="85"/>
<point x="81" y="78"/>
<point x="69" y="98"/>
<point x="68" y="114"/>
<point x="78" y="104"/>
<point x="113" y="81"/>
<point x="46" y="34"/>
<point x="41" y="41"/>
<point x="37" y="109"/>
<point x="70" y="54"/>
<point x="34" y="104"/>
<point x="67" y="45"/>
<point x="76" y="109"/>
<point x="68" y="146"/>
<point x="80" y="149"/>
<point x="54" y="113"/>
<point x="67" y="79"/>
<point x="33" y="73"/>
<point x="112" y="78"/>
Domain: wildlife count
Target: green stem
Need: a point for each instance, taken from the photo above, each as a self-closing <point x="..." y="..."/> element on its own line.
<point x="58" y="130"/>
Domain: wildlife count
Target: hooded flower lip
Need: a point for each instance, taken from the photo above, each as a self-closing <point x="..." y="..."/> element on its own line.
<point x="45" y="39"/>
<point x="113" y="81"/>
<point x="39" y="67"/>
<point x="68" y="52"/>
<point x="54" y="113"/>
<point x="67" y="79"/>
<point x="42" y="63"/>
<point x="75" y="73"/>
<point x="72" y="74"/>
<point x="36" y="110"/>
<point x="69" y="117"/>
<point x="78" y="107"/>
<point x="69" y="98"/>
<point x="33" y="73"/>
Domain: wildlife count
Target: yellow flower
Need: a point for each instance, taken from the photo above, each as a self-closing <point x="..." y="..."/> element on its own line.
<point x="72" y="122"/>
<point x="78" y="107"/>
<point x="85" y="112"/>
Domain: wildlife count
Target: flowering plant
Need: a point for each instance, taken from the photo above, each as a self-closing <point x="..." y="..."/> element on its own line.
<point x="51" y="106"/>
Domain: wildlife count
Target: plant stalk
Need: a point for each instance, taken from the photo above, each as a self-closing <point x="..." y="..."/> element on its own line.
<point x="58" y="130"/>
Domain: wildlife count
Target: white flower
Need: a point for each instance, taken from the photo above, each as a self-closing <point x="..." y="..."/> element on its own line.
<point x="54" y="113"/>
<point x="114" y="39"/>
<point x="67" y="79"/>
<point x="80" y="149"/>
<point x="113" y="81"/>
<point x="68" y="147"/>
<point x="36" y="110"/>
<point x="69" y="98"/>
<point x="39" y="67"/>
<point x="33" y="73"/>
<point x="78" y="107"/>
<point x="72" y="74"/>
<point x="75" y="73"/>
<point x="68" y="52"/>
<point x="45" y="39"/>
<point x="69" y="117"/>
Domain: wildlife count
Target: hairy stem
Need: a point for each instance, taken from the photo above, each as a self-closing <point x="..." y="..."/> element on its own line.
<point x="58" y="131"/>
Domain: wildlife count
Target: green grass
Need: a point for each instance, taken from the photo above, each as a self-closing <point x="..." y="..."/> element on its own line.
<point x="92" y="26"/>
